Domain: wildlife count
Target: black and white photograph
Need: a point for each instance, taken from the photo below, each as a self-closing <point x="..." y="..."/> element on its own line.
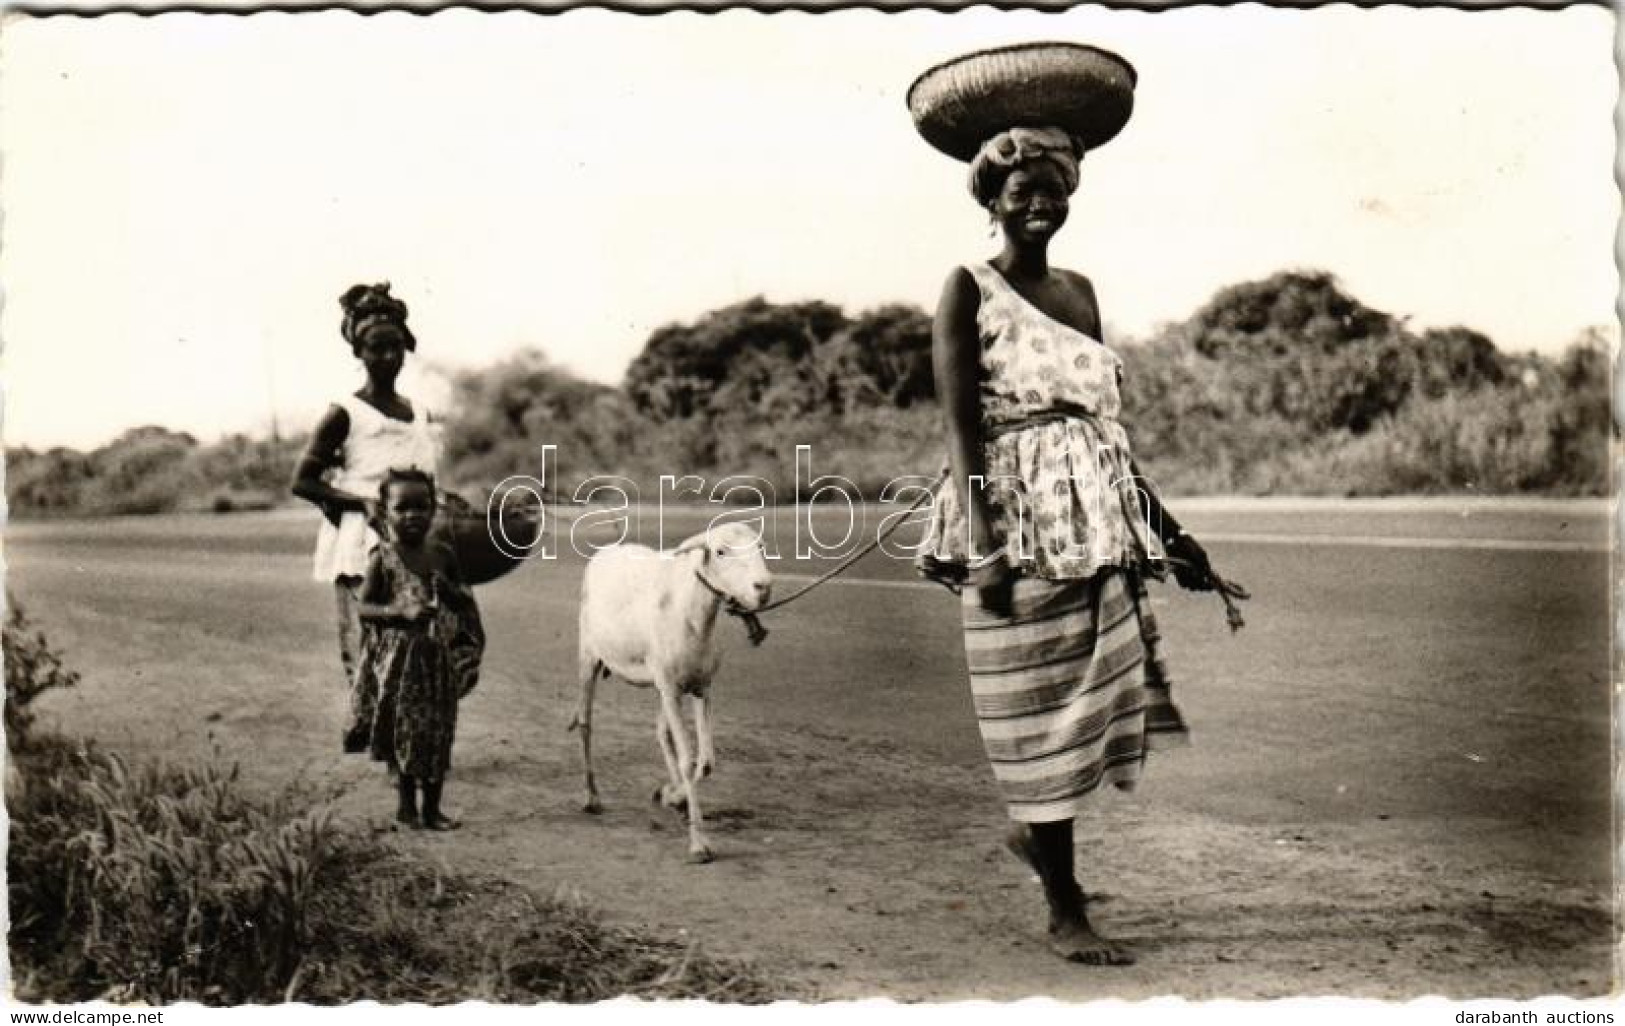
<point x="572" y="504"/>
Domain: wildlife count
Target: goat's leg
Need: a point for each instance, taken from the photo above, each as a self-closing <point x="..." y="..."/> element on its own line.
<point x="589" y="670"/>
<point x="706" y="764"/>
<point x="669" y="794"/>
<point x="698" y="849"/>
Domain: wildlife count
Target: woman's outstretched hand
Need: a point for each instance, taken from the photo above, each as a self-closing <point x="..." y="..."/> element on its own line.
<point x="1194" y="572"/>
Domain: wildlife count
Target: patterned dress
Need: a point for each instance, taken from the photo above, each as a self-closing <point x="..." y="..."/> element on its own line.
<point x="410" y="677"/>
<point x="1068" y="688"/>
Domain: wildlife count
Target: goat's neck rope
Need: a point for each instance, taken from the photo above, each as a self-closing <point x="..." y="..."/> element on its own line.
<point x="702" y="615"/>
<point x="722" y="596"/>
<point x="753" y="627"/>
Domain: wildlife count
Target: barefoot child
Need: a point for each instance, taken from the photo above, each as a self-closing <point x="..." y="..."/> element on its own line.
<point x="419" y="650"/>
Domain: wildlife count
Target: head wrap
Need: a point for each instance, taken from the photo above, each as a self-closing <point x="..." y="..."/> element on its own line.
<point x="371" y="306"/>
<point x="1010" y="149"/>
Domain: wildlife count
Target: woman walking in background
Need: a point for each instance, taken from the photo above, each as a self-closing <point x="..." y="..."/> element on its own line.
<point x="358" y="441"/>
<point x="1059" y="638"/>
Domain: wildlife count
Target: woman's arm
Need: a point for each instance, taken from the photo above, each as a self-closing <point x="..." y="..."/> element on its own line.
<point x="1088" y="310"/>
<point x="1158" y="516"/>
<point x="321" y="455"/>
<point x="956" y="362"/>
<point x="1193" y="571"/>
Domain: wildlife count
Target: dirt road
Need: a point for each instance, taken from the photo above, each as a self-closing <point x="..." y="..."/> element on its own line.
<point x="1398" y="783"/>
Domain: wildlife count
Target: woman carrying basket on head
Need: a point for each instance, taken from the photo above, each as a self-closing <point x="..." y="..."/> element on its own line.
<point x="362" y="438"/>
<point x="1054" y="547"/>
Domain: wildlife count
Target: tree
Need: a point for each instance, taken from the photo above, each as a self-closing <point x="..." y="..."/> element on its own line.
<point x="144" y="470"/>
<point x="53" y="481"/>
<point x="883" y="358"/>
<point x="1457" y="359"/>
<point x="504" y="415"/>
<point x="1283" y="313"/>
<point x="733" y="358"/>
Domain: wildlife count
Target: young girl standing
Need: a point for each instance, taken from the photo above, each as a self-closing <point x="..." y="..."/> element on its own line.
<point x="416" y="659"/>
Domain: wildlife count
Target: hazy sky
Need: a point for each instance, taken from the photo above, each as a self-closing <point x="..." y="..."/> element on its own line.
<point x="186" y="196"/>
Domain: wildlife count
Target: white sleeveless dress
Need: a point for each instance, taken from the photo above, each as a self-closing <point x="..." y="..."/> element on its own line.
<point x="375" y="445"/>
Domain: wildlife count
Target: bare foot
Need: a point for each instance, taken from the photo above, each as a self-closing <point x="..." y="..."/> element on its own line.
<point x="1018" y="841"/>
<point x="1078" y="942"/>
<point x="407" y="817"/>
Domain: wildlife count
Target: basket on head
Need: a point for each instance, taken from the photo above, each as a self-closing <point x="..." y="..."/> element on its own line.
<point x="960" y="104"/>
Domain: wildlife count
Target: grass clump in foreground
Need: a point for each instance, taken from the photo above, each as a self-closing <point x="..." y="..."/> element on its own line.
<point x="163" y="883"/>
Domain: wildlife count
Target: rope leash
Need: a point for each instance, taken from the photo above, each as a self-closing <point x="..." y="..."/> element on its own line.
<point x="1229" y="591"/>
<point x="750" y="617"/>
<point x="845" y="564"/>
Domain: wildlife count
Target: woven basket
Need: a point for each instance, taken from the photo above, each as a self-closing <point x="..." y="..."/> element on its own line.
<point x="960" y="104"/>
<point x="479" y="557"/>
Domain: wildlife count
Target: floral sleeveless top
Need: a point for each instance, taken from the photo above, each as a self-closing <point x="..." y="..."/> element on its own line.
<point x="1059" y="484"/>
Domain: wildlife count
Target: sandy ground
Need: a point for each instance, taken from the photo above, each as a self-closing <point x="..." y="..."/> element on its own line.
<point x="1399" y="782"/>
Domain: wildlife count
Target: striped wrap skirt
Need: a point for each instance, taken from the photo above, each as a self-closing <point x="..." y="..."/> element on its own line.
<point x="1069" y="690"/>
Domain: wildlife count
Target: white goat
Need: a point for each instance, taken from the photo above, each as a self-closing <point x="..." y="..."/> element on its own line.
<point x="651" y="616"/>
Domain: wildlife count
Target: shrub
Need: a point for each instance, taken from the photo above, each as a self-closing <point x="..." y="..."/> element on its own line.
<point x="1272" y="385"/>
<point x="145" y="470"/>
<point x="162" y="883"/>
<point x="50" y="482"/>
<point x="32" y="668"/>
<point x="169" y="884"/>
<point x="165" y="883"/>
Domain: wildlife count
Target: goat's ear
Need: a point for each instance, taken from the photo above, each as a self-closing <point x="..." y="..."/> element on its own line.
<point x="698" y="542"/>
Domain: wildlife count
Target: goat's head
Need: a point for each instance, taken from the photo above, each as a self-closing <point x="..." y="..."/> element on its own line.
<point x="733" y="563"/>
